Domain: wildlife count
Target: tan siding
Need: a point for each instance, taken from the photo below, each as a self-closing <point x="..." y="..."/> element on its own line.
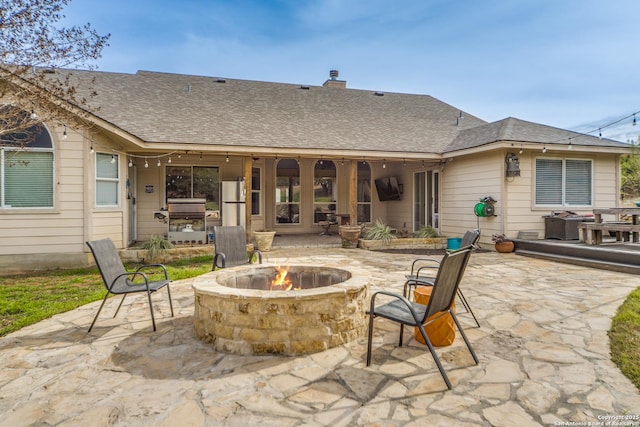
<point x="108" y="224"/>
<point x="147" y="203"/>
<point x="524" y="215"/>
<point x="463" y="183"/>
<point x="58" y="230"/>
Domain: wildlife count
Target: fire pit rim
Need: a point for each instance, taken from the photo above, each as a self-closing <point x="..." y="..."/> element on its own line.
<point x="208" y="283"/>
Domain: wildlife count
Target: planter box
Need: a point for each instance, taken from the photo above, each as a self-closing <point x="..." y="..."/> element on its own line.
<point x="404" y="243"/>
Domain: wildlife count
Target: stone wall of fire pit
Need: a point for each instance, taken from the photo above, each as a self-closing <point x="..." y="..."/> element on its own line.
<point x="236" y="313"/>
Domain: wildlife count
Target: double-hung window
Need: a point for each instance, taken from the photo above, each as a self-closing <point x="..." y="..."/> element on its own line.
<point x="107" y="179"/>
<point x="26" y="169"/>
<point x="564" y="182"/>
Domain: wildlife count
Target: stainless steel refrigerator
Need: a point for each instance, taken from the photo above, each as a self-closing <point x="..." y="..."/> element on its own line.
<point x="233" y="203"/>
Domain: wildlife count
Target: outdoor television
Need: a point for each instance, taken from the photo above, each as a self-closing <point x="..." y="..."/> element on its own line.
<point x="388" y="189"/>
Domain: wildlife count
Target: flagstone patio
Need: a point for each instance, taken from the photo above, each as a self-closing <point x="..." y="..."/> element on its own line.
<point x="542" y="344"/>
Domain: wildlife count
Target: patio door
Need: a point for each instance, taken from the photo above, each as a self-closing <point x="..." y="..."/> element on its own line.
<point x="426" y="199"/>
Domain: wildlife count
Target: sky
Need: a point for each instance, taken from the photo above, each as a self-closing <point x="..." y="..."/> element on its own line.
<point x="572" y="64"/>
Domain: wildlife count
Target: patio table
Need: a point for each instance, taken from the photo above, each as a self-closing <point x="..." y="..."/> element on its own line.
<point x="633" y="212"/>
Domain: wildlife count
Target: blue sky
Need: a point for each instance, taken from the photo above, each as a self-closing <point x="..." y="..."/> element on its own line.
<point x="568" y="63"/>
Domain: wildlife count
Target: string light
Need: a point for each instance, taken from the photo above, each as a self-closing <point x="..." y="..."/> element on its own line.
<point x="130" y="163"/>
<point x="227" y="159"/>
<point x="544" y="149"/>
<point x="146" y="164"/>
<point x="404" y="162"/>
<point x="159" y="164"/>
<point x="169" y="161"/>
<point x="570" y="146"/>
<point x="342" y="162"/>
<point x="599" y="129"/>
<point x="64" y="133"/>
<point x="384" y="163"/>
<point x="91" y="149"/>
<point x="423" y="164"/>
<point x="521" y="150"/>
<point x="113" y="158"/>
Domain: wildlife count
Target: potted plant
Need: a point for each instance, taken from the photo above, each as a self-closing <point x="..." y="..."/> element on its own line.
<point x="264" y="239"/>
<point x="349" y="234"/>
<point x="502" y="243"/>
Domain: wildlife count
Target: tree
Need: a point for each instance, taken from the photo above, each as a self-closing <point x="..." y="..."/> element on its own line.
<point x="32" y="48"/>
<point x="630" y="167"/>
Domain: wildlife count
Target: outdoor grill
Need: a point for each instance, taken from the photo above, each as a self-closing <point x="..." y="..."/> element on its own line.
<point x="187" y="220"/>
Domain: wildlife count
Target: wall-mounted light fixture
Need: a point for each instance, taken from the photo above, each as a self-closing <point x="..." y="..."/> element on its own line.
<point x="513" y="165"/>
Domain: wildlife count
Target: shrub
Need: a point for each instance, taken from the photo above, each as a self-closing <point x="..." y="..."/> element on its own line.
<point x="379" y="231"/>
<point x="155" y="246"/>
<point x="426" y="232"/>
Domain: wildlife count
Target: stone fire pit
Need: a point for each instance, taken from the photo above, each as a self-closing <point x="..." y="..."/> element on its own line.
<point x="235" y="311"/>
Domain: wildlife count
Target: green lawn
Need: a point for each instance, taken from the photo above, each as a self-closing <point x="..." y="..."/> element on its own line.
<point x="625" y="338"/>
<point x="27" y="299"/>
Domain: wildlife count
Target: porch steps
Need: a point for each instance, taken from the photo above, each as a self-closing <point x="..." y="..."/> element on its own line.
<point x="622" y="257"/>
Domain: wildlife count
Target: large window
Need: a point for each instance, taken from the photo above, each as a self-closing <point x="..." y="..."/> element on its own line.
<point x="107" y="179"/>
<point x="324" y="191"/>
<point x="364" y="193"/>
<point x="194" y="182"/>
<point x="256" y="186"/>
<point x="26" y="169"/>
<point x="288" y="192"/>
<point x="564" y="182"/>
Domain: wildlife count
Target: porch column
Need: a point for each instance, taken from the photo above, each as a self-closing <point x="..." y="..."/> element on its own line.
<point x="247" y="205"/>
<point x="353" y="193"/>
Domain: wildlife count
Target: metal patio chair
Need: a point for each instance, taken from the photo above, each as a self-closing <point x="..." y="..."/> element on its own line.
<point x="120" y="282"/>
<point x="415" y="278"/>
<point x="410" y="313"/>
<point x="230" y="244"/>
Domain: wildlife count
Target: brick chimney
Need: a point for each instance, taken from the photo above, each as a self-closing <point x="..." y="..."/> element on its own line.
<point x="334" y="82"/>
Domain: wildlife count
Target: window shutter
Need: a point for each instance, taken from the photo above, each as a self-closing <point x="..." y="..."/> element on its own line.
<point x="28" y="179"/>
<point x="548" y="182"/>
<point x="578" y="182"/>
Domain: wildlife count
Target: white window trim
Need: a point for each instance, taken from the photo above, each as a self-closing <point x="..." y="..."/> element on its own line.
<point x="52" y="150"/>
<point x="564" y="171"/>
<point x="99" y="179"/>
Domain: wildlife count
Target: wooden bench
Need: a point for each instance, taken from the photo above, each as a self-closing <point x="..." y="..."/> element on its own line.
<point x="591" y="232"/>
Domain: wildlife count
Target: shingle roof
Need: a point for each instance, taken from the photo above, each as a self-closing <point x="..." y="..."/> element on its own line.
<point x="175" y="108"/>
<point x="160" y="107"/>
<point x="516" y="130"/>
